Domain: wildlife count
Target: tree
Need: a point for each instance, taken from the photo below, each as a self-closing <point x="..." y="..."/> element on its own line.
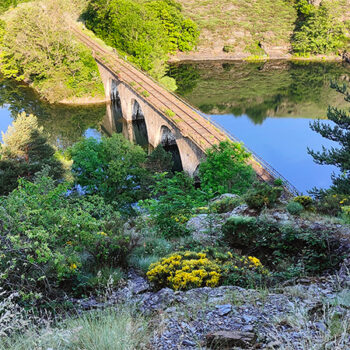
<point x="111" y="168"/>
<point x="24" y="152"/>
<point x="340" y="132"/>
<point x="225" y="169"/>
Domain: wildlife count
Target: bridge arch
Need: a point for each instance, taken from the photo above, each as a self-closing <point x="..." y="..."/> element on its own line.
<point x="168" y="142"/>
<point x="139" y="125"/>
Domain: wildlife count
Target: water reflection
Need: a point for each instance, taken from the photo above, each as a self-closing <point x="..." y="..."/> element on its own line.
<point x="269" y="105"/>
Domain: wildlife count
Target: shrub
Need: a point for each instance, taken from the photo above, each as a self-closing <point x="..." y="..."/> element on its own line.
<point x="263" y="195"/>
<point x="225" y="169"/>
<point x="111" y="167"/>
<point x="177" y="197"/>
<point x="295" y="208"/>
<point x="283" y="245"/>
<point x="182" y="271"/>
<point x="346" y="213"/>
<point x="331" y="204"/>
<point x="225" y="205"/>
<point x="51" y="240"/>
<point x="305" y="201"/>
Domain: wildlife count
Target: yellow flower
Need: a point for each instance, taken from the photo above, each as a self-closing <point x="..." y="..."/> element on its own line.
<point x="102" y="233"/>
<point x="73" y="266"/>
<point x="69" y="243"/>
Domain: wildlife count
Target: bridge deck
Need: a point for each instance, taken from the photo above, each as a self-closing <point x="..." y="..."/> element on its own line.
<point x="190" y="123"/>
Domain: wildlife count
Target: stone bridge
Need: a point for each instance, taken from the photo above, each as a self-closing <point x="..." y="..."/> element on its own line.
<point x="161" y="117"/>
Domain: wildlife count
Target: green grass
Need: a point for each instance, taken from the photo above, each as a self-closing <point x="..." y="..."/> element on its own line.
<point x="120" y="329"/>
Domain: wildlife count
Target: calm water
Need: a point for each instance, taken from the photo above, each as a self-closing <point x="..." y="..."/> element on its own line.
<point x="267" y="106"/>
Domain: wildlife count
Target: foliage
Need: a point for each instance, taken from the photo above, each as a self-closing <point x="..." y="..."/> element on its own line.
<point x="306" y="201"/>
<point x="225" y="169"/>
<point x="37" y="46"/>
<point x="111" y="167"/>
<point x="338" y="132"/>
<point x="159" y="161"/>
<point x="117" y="329"/>
<point x="346" y="213"/>
<point x="146" y="30"/>
<point x="24" y="152"/>
<point x="295" y="208"/>
<point x="51" y="239"/>
<point x="182" y="271"/>
<point x="331" y="204"/>
<point x="177" y="197"/>
<point x="225" y="205"/>
<point x="280" y="246"/>
<point x="263" y="195"/>
<point x="318" y="30"/>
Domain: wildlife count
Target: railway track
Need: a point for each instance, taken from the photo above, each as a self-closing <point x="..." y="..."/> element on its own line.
<point x="191" y="124"/>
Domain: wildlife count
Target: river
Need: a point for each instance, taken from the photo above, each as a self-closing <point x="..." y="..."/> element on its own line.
<point x="268" y="106"/>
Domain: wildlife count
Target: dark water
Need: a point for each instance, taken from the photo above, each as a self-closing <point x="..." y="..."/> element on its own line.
<point x="269" y="106"/>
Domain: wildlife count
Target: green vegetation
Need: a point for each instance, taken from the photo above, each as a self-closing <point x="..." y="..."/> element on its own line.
<point x="24" y="152"/>
<point x="145" y="30"/>
<point x="340" y="133"/>
<point x="120" y="329"/>
<point x="319" y="29"/>
<point x="225" y="169"/>
<point x="294" y="208"/>
<point x="38" y="47"/>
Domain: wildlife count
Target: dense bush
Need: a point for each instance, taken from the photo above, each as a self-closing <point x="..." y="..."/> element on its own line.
<point x="50" y="239"/>
<point x="37" y="46"/>
<point x="25" y="151"/>
<point x="295" y="208"/>
<point x="146" y="30"/>
<point x="318" y="30"/>
<point x="225" y="169"/>
<point x="111" y="167"/>
<point x="306" y="201"/>
<point x="263" y="195"/>
<point x="184" y="271"/>
<point x="283" y="245"/>
<point x="176" y="198"/>
<point x="331" y="203"/>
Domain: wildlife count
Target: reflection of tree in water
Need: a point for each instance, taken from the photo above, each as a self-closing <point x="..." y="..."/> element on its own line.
<point x="65" y="124"/>
<point x="260" y="90"/>
<point x="186" y="76"/>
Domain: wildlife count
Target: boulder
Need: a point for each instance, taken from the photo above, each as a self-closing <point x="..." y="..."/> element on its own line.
<point x="228" y="339"/>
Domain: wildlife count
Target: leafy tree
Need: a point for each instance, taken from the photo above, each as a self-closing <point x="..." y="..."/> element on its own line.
<point x="318" y="30"/>
<point x="50" y="240"/>
<point x="225" y="169"/>
<point x="340" y="132"/>
<point x="24" y="152"/>
<point x="37" y="46"/>
<point x="146" y="30"/>
<point x="111" y="168"/>
<point x="159" y="161"/>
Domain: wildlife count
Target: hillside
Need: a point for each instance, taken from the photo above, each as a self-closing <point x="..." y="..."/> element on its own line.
<point x="247" y="27"/>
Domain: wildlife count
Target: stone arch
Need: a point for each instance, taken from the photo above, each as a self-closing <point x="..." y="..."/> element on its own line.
<point x="168" y="142"/>
<point x="139" y="125"/>
<point x="116" y="107"/>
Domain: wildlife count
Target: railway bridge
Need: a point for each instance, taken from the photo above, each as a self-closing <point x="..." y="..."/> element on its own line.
<point x="167" y="119"/>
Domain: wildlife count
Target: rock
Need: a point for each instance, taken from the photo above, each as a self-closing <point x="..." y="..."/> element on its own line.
<point x="224" y="309"/>
<point x="223" y="196"/>
<point x="321" y="326"/>
<point x="205" y="228"/>
<point x="229" y="339"/>
<point x="346" y="56"/>
<point x="240" y="210"/>
<point x="187" y="342"/>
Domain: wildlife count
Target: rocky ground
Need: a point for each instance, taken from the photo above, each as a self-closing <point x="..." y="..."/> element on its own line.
<point x="311" y="314"/>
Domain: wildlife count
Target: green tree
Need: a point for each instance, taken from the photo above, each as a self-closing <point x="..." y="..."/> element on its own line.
<point x="339" y="132"/>
<point x="37" y="46"/>
<point x="112" y="168"/>
<point x="24" y="152"/>
<point x="225" y="169"/>
<point x="159" y="161"/>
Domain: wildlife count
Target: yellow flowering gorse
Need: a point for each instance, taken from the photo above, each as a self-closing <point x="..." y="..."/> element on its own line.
<point x="184" y="271"/>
